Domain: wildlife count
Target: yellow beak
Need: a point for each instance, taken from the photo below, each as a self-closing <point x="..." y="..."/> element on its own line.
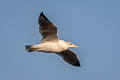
<point x="75" y="46"/>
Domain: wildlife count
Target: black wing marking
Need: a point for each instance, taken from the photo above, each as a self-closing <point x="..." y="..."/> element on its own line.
<point x="70" y="57"/>
<point x="47" y="29"/>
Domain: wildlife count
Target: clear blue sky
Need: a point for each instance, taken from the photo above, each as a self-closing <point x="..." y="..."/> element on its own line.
<point x="94" y="25"/>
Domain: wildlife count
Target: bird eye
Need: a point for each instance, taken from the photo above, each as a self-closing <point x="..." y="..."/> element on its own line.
<point x="70" y="43"/>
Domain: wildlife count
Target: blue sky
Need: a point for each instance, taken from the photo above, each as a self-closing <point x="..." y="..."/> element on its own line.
<point x="93" y="25"/>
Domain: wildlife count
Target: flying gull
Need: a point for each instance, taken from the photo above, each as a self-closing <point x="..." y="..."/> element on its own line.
<point x="51" y="44"/>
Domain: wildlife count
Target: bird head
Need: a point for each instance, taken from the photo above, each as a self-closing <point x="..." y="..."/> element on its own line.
<point x="72" y="45"/>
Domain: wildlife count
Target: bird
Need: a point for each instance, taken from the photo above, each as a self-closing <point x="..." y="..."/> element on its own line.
<point x="50" y="43"/>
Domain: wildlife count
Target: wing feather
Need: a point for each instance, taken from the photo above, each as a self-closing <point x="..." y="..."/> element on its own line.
<point x="47" y="29"/>
<point x="70" y="57"/>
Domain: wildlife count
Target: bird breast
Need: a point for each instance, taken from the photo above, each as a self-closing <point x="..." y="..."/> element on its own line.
<point x="52" y="47"/>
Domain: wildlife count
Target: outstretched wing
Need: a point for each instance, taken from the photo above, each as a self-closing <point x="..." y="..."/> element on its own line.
<point x="47" y="29"/>
<point x="70" y="57"/>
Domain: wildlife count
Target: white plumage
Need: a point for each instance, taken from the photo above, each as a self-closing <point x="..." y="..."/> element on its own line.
<point x="51" y="44"/>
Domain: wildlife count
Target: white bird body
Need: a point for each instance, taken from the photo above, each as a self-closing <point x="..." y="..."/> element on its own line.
<point x="50" y="42"/>
<point x="57" y="46"/>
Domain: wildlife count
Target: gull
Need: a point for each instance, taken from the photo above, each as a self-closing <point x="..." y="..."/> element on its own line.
<point x="51" y="44"/>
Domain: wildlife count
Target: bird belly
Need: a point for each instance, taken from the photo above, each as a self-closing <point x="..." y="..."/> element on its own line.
<point x="48" y="47"/>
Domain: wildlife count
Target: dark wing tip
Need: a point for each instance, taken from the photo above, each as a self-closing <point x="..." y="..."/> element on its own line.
<point x="77" y="64"/>
<point x="43" y="17"/>
<point x="41" y="14"/>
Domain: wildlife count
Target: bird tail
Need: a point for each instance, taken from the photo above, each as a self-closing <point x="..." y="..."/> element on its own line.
<point x="29" y="48"/>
